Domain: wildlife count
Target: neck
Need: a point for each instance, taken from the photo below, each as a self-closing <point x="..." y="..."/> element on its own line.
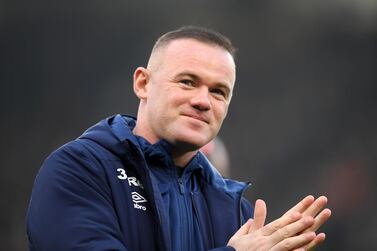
<point x="182" y="159"/>
<point x="181" y="153"/>
<point x="141" y="129"/>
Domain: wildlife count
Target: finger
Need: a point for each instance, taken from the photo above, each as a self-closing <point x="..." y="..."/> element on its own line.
<point x="244" y="229"/>
<point x="302" y="205"/>
<point x="320" y="219"/>
<point x="294" y="242"/>
<point x="317" y="241"/>
<point x="316" y="206"/>
<point x="292" y="229"/>
<point x="280" y="223"/>
<point x="260" y="212"/>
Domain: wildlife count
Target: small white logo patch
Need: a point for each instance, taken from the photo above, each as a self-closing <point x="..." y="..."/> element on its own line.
<point x="137" y="198"/>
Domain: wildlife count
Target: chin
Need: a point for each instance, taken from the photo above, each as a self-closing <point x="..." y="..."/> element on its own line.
<point x="191" y="138"/>
<point x="192" y="143"/>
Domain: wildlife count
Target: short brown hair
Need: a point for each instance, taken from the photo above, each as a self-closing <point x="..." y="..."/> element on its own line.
<point x="201" y="34"/>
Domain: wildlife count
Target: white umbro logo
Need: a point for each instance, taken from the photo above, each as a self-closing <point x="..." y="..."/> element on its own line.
<point x="137" y="198"/>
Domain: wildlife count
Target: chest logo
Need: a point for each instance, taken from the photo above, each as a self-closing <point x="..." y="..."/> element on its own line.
<point x="138" y="199"/>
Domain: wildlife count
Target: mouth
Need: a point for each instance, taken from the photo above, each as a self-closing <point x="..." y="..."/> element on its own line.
<point x="197" y="117"/>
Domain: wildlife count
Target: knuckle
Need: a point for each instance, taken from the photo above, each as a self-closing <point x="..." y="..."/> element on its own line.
<point x="284" y="232"/>
<point x="308" y="220"/>
<point x="276" y="227"/>
<point x="287" y="244"/>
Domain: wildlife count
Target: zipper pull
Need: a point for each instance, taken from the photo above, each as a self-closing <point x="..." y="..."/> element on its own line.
<point x="181" y="186"/>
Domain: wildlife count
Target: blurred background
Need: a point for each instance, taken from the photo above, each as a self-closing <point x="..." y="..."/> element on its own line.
<point x="302" y="119"/>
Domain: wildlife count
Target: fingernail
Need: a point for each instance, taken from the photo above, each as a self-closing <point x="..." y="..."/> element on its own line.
<point x="327" y="211"/>
<point x="309" y="198"/>
<point x="324" y="197"/>
<point x="322" y="237"/>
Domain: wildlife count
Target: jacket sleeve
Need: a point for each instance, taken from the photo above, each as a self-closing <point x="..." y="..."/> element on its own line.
<point x="71" y="206"/>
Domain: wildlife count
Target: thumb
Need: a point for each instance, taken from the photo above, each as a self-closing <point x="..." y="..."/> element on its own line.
<point x="260" y="213"/>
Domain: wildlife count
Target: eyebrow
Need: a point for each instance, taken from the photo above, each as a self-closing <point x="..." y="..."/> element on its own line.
<point x="197" y="78"/>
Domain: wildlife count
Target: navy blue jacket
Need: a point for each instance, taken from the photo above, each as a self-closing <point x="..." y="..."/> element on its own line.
<point x="98" y="193"/>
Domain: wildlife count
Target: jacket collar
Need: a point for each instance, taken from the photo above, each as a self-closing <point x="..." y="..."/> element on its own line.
<point x="115" y="133"/>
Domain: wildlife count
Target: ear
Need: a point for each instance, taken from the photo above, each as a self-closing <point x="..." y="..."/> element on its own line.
<point x="141" y="79"/>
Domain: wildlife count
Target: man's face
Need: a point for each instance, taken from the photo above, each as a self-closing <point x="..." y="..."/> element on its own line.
<point x="188" y="93"/>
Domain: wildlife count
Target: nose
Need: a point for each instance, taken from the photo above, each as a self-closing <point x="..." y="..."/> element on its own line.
<point x="201" y="99"/>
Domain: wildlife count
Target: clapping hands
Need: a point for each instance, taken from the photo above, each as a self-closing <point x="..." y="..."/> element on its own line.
<point x="295" y="230"/>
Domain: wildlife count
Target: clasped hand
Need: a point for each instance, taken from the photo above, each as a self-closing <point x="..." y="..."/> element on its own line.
<point x="295" y="230"/>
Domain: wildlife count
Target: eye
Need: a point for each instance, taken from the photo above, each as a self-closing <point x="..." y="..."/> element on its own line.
<point x="187" y="82"/>
<point x="219" y="92"/>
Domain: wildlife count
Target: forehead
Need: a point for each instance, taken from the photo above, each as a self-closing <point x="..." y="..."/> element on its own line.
<point x="191" y="54"/>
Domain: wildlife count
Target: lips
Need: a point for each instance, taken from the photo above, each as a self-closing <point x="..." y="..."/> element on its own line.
<point x="197" y="117"/>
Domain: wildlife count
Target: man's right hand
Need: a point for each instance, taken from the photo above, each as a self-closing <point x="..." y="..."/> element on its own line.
<point x="295" y="230"/>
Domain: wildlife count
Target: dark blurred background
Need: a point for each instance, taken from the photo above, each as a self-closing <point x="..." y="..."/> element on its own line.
<point x="302" y="120"/>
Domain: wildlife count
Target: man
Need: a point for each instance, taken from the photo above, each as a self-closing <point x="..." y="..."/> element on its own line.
<point x="142" y="184"/>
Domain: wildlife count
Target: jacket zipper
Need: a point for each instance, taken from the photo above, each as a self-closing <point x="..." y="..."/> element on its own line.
<point x="185" y="237"/>
<point x="181" y="186"/>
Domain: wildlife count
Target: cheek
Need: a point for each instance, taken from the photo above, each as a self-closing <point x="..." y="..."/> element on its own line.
<point x="159" y="98"/>
<point x="164" y="107"/>
<point x="220" y="111"/>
